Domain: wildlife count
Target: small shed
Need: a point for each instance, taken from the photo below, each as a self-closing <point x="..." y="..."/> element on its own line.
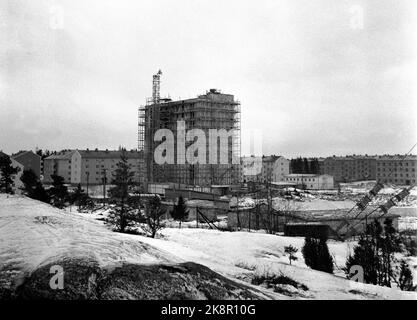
<point x="307" y="229"/>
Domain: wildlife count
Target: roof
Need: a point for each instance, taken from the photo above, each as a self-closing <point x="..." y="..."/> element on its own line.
<point x="305" y="223"/>
<point x="95" y="154"/>
<point x="271" y="158"/>
<point x="2" y="154"/>
<point x="398" y="157"/>
<point x="23" y="152"/>
<point x="283" y="183"/>
<point x="109" y="154"/>
<point x="63" y="155"/>
<point x="295" y="175"/>
<point x="352" y="157"/>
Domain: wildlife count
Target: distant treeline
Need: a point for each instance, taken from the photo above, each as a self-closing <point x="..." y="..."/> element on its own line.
<point x="45" y="154"/>
<point x="304" y="165"/>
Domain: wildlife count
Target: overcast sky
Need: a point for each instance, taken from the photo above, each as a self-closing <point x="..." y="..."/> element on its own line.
<point x="311" y="74"/>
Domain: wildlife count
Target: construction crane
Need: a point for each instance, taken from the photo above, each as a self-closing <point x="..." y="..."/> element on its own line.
<point x="383" y="209"/>
<point x="360" y="206"/>
<point x="156" y="86"/>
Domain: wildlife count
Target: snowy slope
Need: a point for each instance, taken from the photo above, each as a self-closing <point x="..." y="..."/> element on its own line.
<point x="33" y="234"/>
<point x="227" y="252"/>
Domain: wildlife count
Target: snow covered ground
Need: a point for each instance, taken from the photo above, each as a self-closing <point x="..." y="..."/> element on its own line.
<point x="33" y="234"/>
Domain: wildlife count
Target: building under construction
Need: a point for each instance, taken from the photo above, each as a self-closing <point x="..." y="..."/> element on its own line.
<point x="213" y="110"/>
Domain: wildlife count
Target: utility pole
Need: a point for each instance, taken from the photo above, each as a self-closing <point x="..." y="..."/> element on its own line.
<point x="88" y="178"/>
<point x="104" y="172"/>
<point x="269" y="204"/>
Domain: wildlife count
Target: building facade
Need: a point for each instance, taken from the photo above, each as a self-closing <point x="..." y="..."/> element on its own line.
<point x="350" y="168"/>
<point x="29" y="160"/>
<point x="90" y="167"/>
<point x="311" y="181"/>
<point x="266" y="169"/>
<point x="17" y="183"/>
<point x="213" y="110"/>
<point x="397" y="169"/>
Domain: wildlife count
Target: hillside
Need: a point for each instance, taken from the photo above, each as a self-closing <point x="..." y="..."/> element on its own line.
<point x="183" y="263"/>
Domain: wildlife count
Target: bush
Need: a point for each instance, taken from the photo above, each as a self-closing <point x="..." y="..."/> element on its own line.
<point x="245" y="265"/>
<point x="272" y="280"/>
<point x="316" y="255"/>
<point x="291" y="251"/>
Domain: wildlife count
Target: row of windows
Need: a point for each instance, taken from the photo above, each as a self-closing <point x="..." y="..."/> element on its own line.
<point x="298" y="179"/>
<point x="397" y="163"/>
<point x="397" y="169"/>
<point x="399" y="175"/>
<point x="400" y="181"/>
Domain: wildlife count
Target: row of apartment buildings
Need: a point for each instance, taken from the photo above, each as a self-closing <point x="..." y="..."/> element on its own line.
<point x="216" y="110"/>
<point x="395" y="169"/>
<point x="90" y="167"/>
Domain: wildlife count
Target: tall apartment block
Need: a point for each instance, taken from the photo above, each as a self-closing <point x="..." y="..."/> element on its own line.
<point x="396" y="169"/>
<point x="212" y="110"/>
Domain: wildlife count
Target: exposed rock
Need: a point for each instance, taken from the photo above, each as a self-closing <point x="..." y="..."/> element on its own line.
<point x="84" y="279"/>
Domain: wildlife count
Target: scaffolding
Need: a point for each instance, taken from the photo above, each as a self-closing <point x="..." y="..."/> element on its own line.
<point x="213" y="110"/>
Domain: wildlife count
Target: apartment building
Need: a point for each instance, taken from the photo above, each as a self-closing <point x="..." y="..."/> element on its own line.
<point x="266" y="169"/>
<point x="211" y="111"/>
<point x="311" y="181"/>
<point x="18" y="184"/>
<point x="29" y="160"/>
<point x="350" y="168"/>
<point x="58" y="164"/>
<point x="91" y="167"/>
<point x="396" y="169"/>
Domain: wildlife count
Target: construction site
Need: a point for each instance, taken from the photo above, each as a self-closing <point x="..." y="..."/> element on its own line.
<point x="214" y="191"/>
<point x="212" y="110"/>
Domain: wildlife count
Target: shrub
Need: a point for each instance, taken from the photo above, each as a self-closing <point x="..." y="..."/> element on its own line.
<point x="316" y="254"/>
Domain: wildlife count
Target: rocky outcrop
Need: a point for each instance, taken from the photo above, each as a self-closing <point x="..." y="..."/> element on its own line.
<point x="84" y="279"/>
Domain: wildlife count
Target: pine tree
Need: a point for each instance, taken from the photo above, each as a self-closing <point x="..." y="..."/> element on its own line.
<point x="325" y="260"/>
<point x="292" y="166"/>
<point x="309" y="252"/>
<point x="33" y="188"/>
<point x="291" y="251"/>
<point x="125" y="212"/>
<point x="367" y="254"/>
<point x="306" y="166"/>
<point x="41" y="194"/>
<point x="375" y="253"/>
<point x="80" y="198"/>
<point x="153" y="216"/>
<point x="58" y="192"/>
<point x="405" y="280"/>
<point x="316" y="254"/>
<point x="7" y="174"/>
<point x="30" y="181"/>
<point x="180" y="212"/>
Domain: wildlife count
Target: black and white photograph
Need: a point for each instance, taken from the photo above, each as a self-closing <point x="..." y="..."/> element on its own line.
<point x="231" y="151"/>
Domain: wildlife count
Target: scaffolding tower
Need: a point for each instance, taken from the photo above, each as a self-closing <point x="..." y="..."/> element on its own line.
<point x="213" y="110"/>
